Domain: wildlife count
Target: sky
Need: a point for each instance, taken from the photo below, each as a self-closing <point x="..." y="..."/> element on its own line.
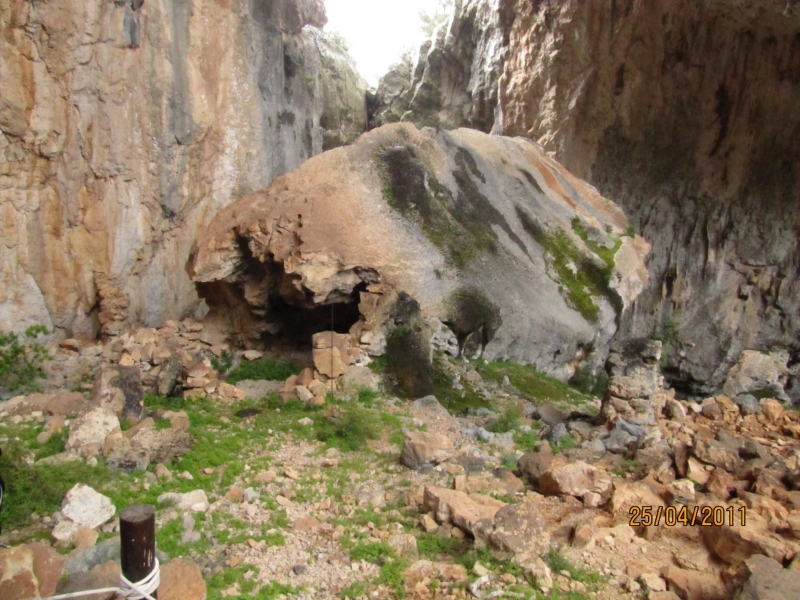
<point x="377" y="31"/>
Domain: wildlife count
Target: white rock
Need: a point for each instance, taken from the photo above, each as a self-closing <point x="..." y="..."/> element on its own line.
<point x="91" y="428"/>
<point x="87" y="507"/>
<point x="195" y="501"/>
<point x="252" y="354"/>
<point x="305" y="421"/>
<point x="65" y="531"/>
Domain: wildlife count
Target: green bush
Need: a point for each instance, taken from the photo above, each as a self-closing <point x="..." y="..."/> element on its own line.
<point x="273" y="369"/>
<point x="508" y="420"/>
<point x="20" y="361"/>
<point x="223" y="362"/>
<point x="349" y="429"/>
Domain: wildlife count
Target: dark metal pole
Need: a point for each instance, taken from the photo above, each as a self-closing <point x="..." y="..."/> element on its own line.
<point x="137" y="528"/>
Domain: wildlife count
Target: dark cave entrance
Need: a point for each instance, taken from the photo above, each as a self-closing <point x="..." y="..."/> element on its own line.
<point x="293" y="326"/>
<point x="267" y="307"/>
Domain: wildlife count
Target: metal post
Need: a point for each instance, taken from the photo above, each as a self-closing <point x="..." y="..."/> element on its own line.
<point x="137" y="528"/>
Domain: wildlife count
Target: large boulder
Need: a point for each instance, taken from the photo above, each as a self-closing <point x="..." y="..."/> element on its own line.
<point x="575" y="479"/>
<point x="485" y="233"/>
<point x="758" y="372"/>
<point x="457" y="508"/>
<point x="421" y="448"/>
<point x="768" y="580"/>
<point x="29" y="571"/>
<point x="85" y="506"/>
<point x="88" y="433"/>
<point x="119" y="390"/>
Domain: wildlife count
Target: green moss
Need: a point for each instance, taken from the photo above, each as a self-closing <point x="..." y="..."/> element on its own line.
<point x="531" y="383"/>
<point x="375" y="552"/>
<point x="461" y="225"/>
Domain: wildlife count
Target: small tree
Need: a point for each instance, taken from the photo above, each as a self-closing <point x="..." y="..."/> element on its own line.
<point x="430" y="21"/>
<point x="20" y="362"/>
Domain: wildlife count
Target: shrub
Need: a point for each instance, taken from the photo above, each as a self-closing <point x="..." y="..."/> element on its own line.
<point x="223" y="362"/>
<point x="507" y="421"/>
<point x="20" y="361"/>
<point x="348" y="430"/>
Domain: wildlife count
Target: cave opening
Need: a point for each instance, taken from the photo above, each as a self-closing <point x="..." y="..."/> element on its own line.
<point x="293" y="325"/>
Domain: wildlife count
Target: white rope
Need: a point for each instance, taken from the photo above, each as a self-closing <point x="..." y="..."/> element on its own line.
<point x="140" y="590"/>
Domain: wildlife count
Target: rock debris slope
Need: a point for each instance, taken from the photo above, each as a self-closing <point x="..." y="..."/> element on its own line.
<point x="684" y="113"/>
<point x="461" y="222"/>
<point x="125" y="126"/>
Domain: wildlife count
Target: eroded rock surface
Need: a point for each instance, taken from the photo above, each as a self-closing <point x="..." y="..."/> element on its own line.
<point x="485" y="233"/>
<point x="125" y="126"/>
<point x="682" y="112"/>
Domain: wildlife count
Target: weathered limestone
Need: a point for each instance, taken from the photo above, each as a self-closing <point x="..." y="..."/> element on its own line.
<point x="482" y="232"/>
<point x="606" y="88"/>
<point x="124" y="126"/>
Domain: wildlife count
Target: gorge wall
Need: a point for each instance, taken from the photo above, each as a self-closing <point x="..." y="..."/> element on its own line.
<point x="125" y="126"/>
<point x="685" y="113"/>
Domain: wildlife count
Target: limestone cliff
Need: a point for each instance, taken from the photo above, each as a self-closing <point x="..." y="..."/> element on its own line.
<point x="683" y="112"/>
<point x="125" y="126"/>
<point x="475" y="228"/>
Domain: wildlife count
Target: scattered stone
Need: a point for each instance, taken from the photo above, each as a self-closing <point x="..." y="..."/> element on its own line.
<point x="84" y="506"/>
<point x="162" y="472"/>
<point x="681" y="491"/>
<point x="119" y="390"/>
<point x="575" y="479"/>
<point x="88" y="433"/>
<point x="422" y="448"/>
<point x="181" y="580"/>
<point x="653" y="582"/>
<point x="29" y="571"/>
<point x="195" y="501"/>
<point x="405" y="544"/>
<point x="265" y="477"/>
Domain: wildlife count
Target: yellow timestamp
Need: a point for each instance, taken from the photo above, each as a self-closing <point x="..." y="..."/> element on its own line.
<point x="705" y="516"/>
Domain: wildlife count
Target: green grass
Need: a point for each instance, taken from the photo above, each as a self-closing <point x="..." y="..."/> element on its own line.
<point x="533" y="384"/>
<point x="456" y="401"/>
<point x="508" y="420"/>
<point x="565" y="443"/>
<point x="351" y="429"/>
<point x="558" y="563"/>
<point x="375" y="552"/>
<point x="273" y="369"/>
<point x="55" y="445"/>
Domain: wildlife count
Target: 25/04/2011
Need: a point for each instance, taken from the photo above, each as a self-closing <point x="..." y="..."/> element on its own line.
<point x="705" y="516"/>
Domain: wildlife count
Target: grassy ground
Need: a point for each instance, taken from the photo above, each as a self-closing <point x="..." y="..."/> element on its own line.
<point x="533" y="384"/>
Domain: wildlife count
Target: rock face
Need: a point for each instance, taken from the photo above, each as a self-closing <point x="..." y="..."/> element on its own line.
<point x="484" y="233"/>
<point x="683" y="113"/>
<point x="125" y="126"/>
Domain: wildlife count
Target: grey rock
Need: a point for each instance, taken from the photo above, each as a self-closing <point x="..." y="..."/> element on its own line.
<point x="432" y="404"/>
<point x="556" y="433"/>
<point x="747" y="404"/>
<point x="87" y="559"/>
<point x="168" y="377"/>
<point x="251" y="495"/>
<point x="483" y="435"/>
<point x="618" y="440"/>
<point x="549" y="414"/>
<point x="769" y="581"/>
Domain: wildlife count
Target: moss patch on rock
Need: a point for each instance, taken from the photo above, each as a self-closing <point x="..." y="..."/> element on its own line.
<point x="459" y="225"/>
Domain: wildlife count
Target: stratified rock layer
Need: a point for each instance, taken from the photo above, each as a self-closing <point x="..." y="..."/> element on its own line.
<point x="125" y="126"/>
<point x="683" y="112"/>
<point x="485" y="233"/>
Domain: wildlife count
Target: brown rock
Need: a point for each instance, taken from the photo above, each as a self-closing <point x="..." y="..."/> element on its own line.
<point x="234" y="494"/>
<point x="773" y="512"/>
<point x="680" y="491"/>
<point x="425" y="569"/>
<point x="533" y="464"/>
<point x="720" y="484"/>
<point x="458" y="508"/>
<point x="68" y="404"/>
<point x="736" y="543"/>
<point x="688" y="585"/>
<point x="266" y="477"/>
<point x="771" y="409"/>
<point x="305" y="524"/>
<point x="626" y="496"/>
<point x="305" y="377"/>
<point x="715" y="453"/>
<point x="422" y="448"/>
<point x="696" y="471"/>
<point x="29" y="571"/>
<point x="85" y="538"/>
<point x="520" y="528"/>
<point x="575" y="479"/>
<point x="181" y="580"/>
<point x="404" y="545"/>
<point x="230" y="392"/>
